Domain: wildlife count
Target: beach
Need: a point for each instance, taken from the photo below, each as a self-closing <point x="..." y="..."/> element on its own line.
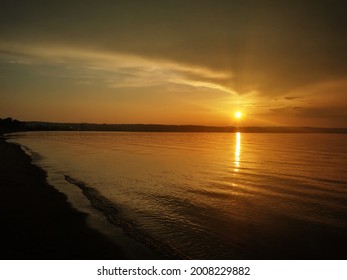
<point x="36" y="220"/>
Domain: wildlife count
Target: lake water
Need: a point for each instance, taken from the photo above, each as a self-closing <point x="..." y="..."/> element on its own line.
<point x="210" y="195"/>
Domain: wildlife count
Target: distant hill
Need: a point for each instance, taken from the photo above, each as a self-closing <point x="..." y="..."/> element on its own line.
<point x="174" y="128"/>
<point x="8" y="125"/>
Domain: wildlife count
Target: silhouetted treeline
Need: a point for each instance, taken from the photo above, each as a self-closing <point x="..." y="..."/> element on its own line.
<point x="126" y="127"/>
<point x="154" y="128"/>
<point x="175" y="128"/>
<point x="10" y="125"/>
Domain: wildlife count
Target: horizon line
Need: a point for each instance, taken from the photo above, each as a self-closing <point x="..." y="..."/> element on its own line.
<point x="194" y="125"/>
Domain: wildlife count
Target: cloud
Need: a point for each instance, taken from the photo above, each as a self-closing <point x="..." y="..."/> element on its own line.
<point x="272" y="48"/>
<point x="117" y="70"/>
<point x="291" y="97"/>
<point x="329" y="92"/>
<point x="286" y="109"/>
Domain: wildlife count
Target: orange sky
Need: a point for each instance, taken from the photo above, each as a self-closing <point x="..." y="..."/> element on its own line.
<point x="171" y="62"/>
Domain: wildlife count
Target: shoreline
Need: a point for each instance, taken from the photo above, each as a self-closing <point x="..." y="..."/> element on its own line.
<point x="38" y="222"/>
<point x="112" y="215"/>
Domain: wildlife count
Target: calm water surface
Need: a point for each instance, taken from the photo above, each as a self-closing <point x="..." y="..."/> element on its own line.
<point x="213" y="195"/>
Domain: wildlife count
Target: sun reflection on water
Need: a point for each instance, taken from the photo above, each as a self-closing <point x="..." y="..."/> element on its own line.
<point x="237" y="152"/>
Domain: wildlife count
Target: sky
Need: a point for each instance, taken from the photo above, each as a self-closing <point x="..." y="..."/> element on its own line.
<point x="175" y="62"/>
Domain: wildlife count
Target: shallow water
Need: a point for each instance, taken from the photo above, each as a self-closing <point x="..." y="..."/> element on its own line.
<point x="212" y="195"/>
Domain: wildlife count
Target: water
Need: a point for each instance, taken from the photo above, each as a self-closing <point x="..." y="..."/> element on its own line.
<point x="210" y="195"/>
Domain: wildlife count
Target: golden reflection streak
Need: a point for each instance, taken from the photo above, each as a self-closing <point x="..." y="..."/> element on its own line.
<point x="237" y="151"/>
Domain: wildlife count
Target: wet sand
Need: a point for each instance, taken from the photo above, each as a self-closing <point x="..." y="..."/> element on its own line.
<point x="37" y="222"/>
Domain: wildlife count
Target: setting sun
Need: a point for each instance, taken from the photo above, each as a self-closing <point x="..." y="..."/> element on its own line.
<point x="238" y="115"/>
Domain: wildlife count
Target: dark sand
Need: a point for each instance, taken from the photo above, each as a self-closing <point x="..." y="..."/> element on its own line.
<point x="36" y="221"/>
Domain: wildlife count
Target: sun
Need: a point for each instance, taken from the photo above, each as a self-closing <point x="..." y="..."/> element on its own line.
<point x="238" y="115"/>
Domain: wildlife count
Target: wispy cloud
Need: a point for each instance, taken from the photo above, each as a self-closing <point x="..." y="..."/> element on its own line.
<point x="118" y="70"/>
<point x="291" y="97"/>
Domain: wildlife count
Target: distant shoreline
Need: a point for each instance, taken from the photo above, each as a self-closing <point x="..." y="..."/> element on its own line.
<point x="9" y="125"/>
<point x="42" y="126"/>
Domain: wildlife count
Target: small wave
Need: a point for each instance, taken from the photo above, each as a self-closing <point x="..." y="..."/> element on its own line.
<point x="29" y="152"/>
<point x="34" y="156"/>
<point x="114" y="216"/>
